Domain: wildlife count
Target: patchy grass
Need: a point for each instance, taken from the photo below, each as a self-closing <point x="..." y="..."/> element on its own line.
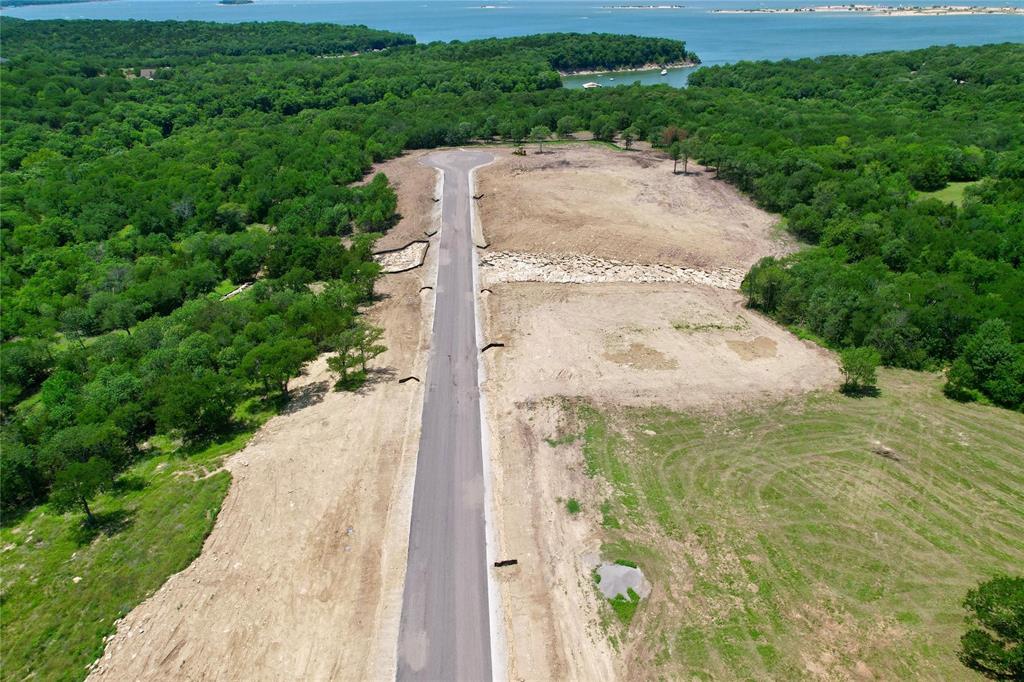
<point x="564" y="439"/>
<point x="625" y="607"/>
<point x="783" y="545"/>
<point x="684" y="326"/>
<point x="573" y="506"/>
<point x="152" y="525"/>
<point x="953" y="193"/>
<point x="805" y="334"/>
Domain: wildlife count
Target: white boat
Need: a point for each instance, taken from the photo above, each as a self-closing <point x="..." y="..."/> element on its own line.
<point x="591" y="84"/>
<point x="664" y="72"/>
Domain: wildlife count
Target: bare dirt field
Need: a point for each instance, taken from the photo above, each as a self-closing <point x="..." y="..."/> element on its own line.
<point x="302" y="576"/>
<point x="608" y="279"/>
<point x="582" y="199"/>
<point x="657" y="344"/>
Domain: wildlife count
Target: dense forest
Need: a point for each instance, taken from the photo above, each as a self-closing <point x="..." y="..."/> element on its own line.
<point x="149" y="174"/>
<point x="845" y="156"/>
<point x="176" y="41"/>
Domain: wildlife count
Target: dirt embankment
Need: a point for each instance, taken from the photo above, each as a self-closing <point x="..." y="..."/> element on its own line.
<point x="302" y="576"/>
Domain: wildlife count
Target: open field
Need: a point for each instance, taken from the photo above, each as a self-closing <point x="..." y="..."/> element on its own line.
<point x="582" y="199"/>
<point x="821" y="538"/>
<point x="302" y="574"/>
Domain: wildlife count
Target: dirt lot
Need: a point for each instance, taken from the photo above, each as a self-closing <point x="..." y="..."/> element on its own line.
<point x="302" y="576"/>
<point x="612" y="280"/>
<point x="590" y="200"/>
<point x="670" y="344"/>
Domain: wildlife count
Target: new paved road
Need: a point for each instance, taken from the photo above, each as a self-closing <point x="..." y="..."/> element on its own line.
<point x="445" y="628"/>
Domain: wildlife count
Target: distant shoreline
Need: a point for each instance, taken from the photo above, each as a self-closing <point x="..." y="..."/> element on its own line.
<point x="646" y="67"/>
<point x="642" y="7"/>
<point x="884" y="11"/>
<point x="16" y="4"/>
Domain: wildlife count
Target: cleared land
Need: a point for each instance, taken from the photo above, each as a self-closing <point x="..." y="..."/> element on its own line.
<point x="582" y="199"/>
<point x="592" y="267"/>
<point x="824" y="538"/>
<point x="302" y="575"/>
<point x="654" y="344"/>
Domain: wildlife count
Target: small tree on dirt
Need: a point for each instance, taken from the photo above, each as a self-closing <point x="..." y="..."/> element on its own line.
<point x="368" y="343"/>
<point x="629" y="136"/>
<point x="685" y="146"/>
<point x="345" y="345"/>
<point x="355" y="347"/>
<point x="994" y="646"/>
<point x="859" y="367"/>
<point x="675" y="151"/>
<point x="539" y="134"/>
<point x="78" y="482"/>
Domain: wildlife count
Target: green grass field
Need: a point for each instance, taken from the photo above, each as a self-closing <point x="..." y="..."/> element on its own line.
<point x="151" y="526"/>
<point x="826" y="537"/>
<point x="953" y="193"/>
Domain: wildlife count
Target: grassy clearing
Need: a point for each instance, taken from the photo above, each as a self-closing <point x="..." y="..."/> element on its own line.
<point x="828" y="536"/>
<point x="152" y="524"/>
<point x="953" y="193"/>
<point x="224" y="288"/>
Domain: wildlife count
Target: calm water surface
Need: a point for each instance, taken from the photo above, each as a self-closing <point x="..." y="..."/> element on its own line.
<point x="717" y="38"/>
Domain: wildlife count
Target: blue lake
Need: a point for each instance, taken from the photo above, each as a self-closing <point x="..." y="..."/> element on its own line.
<point x="717" y="38"/>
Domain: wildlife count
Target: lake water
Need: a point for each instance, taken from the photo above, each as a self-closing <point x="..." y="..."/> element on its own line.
<point x="717" y="38"/>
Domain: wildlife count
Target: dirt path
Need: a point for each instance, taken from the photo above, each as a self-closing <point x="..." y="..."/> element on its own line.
<point x="302" y="575"/>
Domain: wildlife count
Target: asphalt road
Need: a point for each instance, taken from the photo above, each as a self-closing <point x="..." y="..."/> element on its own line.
<point x="445" y="627"/>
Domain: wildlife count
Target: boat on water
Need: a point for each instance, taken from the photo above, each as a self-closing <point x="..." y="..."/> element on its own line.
<point x="664" y="72"/>
<point x="591" y="84"/>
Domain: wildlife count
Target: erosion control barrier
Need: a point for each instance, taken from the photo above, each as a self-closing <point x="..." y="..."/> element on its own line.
<point x="384" y="252"/>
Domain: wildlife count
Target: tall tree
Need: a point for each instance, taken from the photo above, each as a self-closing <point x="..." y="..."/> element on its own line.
<point x="79" y="482"/>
